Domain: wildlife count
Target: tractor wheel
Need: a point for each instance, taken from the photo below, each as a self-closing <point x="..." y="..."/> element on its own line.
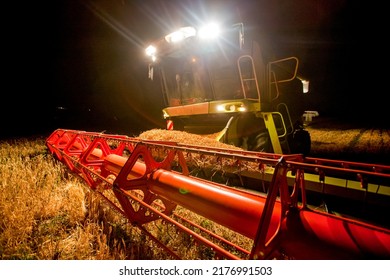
<point x="260" y="142"/>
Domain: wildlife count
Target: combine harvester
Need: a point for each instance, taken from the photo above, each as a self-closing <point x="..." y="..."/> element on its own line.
<point x="263" y="188"/>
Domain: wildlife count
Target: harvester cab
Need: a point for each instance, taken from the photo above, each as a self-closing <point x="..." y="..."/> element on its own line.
<point x="213" y="83"/>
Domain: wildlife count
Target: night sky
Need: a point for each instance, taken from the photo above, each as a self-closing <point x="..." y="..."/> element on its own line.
<point x="81" y="64"/>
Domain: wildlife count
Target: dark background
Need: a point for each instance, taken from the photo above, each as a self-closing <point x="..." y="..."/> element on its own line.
<point x="81" y="64"/>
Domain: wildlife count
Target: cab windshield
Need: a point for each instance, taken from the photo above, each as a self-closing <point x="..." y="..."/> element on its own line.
<point x="200" y="74"/>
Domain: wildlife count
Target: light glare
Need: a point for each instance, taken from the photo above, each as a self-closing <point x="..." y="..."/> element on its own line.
<point x="209" y="31"/>
<point x="181" y="34"/>
<point x="151" y="50"/>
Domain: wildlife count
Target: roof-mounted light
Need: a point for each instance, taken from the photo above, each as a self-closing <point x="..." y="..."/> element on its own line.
<point x="151" y="51"/>
<point x="209" y="31"/>
<point x="181" y="34"/>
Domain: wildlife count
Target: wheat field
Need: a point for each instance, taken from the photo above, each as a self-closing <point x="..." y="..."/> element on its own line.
<point x="46" y="213"/>
<point x="339" y="141"/>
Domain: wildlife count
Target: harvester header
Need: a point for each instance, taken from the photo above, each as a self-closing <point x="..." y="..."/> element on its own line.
<point x="148" y="181"/>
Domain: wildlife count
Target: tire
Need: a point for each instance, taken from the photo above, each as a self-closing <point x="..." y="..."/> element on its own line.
<point x="260" y="142"/>
<point x="300" y="142"/>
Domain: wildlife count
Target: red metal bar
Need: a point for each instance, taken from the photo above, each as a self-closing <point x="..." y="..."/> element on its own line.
<point x="218" y="203"/>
